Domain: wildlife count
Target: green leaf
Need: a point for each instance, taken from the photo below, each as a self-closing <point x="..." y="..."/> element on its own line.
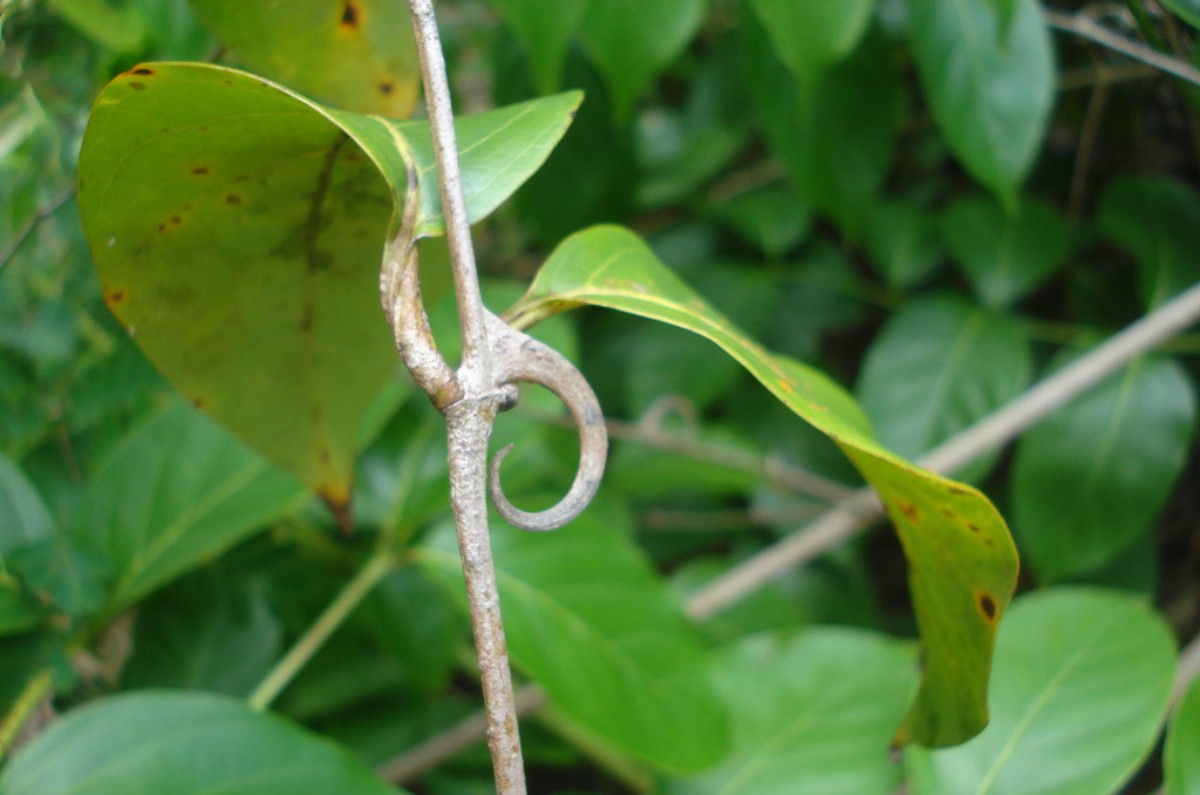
<point x="183" y="743"/>
<point x="1181" y="759"/>
<point x="121" y="29"/>
<point x="835" y="133"/>
<point x="773" y="219"/>
<point x="810" y="35"/>
<point x="545" y="31"/>
<point x="238" y="230"/>
<point x="1091" y="477"/>
<point x="904" y="242"/>
<point x="23" y="516"/>
<point x="1005" y="255"/>
<point x="354" y="54"/>
<point x="586" y="616"/>
<point x="18" y="614"/>
<point x="935" y="368"/>
<point x="962" y="563"/>
<point x="811" y="713"/>
<point x="1158" y="221"/>
<point x="1079" y="693"/>
<point x="631" y="41"/>
<point x="1187" y="10"/>
<point x="177" y="491"/>
<point x="205" y="633"/>
<point x="62" y="575"/>
<point x="420" y="627"/>
<point x="990" y="85"/>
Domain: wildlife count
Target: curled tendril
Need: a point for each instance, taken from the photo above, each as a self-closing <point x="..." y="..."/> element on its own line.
<point x="521" y="359"/>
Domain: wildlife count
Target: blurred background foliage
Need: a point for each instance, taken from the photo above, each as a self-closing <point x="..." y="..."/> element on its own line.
<point x="936" y="203"/>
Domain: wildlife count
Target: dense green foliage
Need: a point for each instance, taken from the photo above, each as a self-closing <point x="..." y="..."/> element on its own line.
<point x="914" y="206"/>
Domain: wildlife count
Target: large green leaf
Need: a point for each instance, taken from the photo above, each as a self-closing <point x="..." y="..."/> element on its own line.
<point x="812" y="713"/>
<point x="24" y="521"/>
<point x="184" y="744"/>
<point x="238" y="230"/>
<point x="354" y="54"/>
<point x="1181" y="760"/>
<point x="632" y="40"/>
<point x="588" y="619"/>
<point x="1005" y="255"/>
<point x="1080" y="690"/>
<point x="939" y="365"/>
<point x="962" y="562"/>
<point x="1158" y="221"/>
<point x="205" y="633"/>
<point x="990" y="84"/>
<point x="23" y="515"/>
<point x="177" y="491"/>
<point x="904" y="242"/>
<point x="545" y="31"/>
<point x="812" y="34"/>
<point x="1090" y="478"/>
<point x="835" y="133"/>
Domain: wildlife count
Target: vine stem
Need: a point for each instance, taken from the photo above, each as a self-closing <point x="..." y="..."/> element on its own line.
<point x="469" y="421"/>
<point x="378" y="566"/>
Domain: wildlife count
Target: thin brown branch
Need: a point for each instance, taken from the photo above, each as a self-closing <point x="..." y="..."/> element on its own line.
<point x="717" y="521"/>
<point x="1083" y="25"/>
<point x="32" y="224"/>
<point x="651" y="431"/>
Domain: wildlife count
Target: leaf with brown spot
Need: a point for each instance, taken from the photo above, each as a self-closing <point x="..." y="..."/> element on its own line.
<point x="948" y="565"/>
<point x="351" y="49"/>
<point x="263" y="296"/>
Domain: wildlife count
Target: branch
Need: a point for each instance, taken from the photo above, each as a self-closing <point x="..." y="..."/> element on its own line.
<point x="651" y="430"/>
<point x="849" y="517"/>
<point x="30" y="225"/>
<point x="1189" y="669"/>
<point x="1084" y="26"/>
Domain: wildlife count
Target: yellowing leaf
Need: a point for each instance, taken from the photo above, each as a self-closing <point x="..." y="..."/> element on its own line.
<point x="962" y="561"/>
<point x="238" y="230"/>
<point x="354" y="54"/>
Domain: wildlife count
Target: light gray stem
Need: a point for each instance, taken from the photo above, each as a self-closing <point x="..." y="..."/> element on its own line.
<point x="454" y="205"/>
<point x="1083" y="25"/>
<point x="469" y="424"/>
<point x="470" y="409"/>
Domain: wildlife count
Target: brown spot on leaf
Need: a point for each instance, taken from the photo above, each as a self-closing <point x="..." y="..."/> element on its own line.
<point x="957" y="490"/>
<point x="162" y="227"/>
<point x="136" y="86"/>
<point x="116" y="297"/>
<point x="198" y="402"/>
<point x="386" y="88"/>
<point x="909" y="510"/>
<point x="141" y="70"/>
<point x="175" y="219"/>
<point x="337" y="499"/>
<point x="946" y="512"/>
<point x="974" y="528"/>
<point x="200" y="171"/>
<point x="233" y="200"/>
<point x="351" y="15"/>
<point x="987" y="605"/>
